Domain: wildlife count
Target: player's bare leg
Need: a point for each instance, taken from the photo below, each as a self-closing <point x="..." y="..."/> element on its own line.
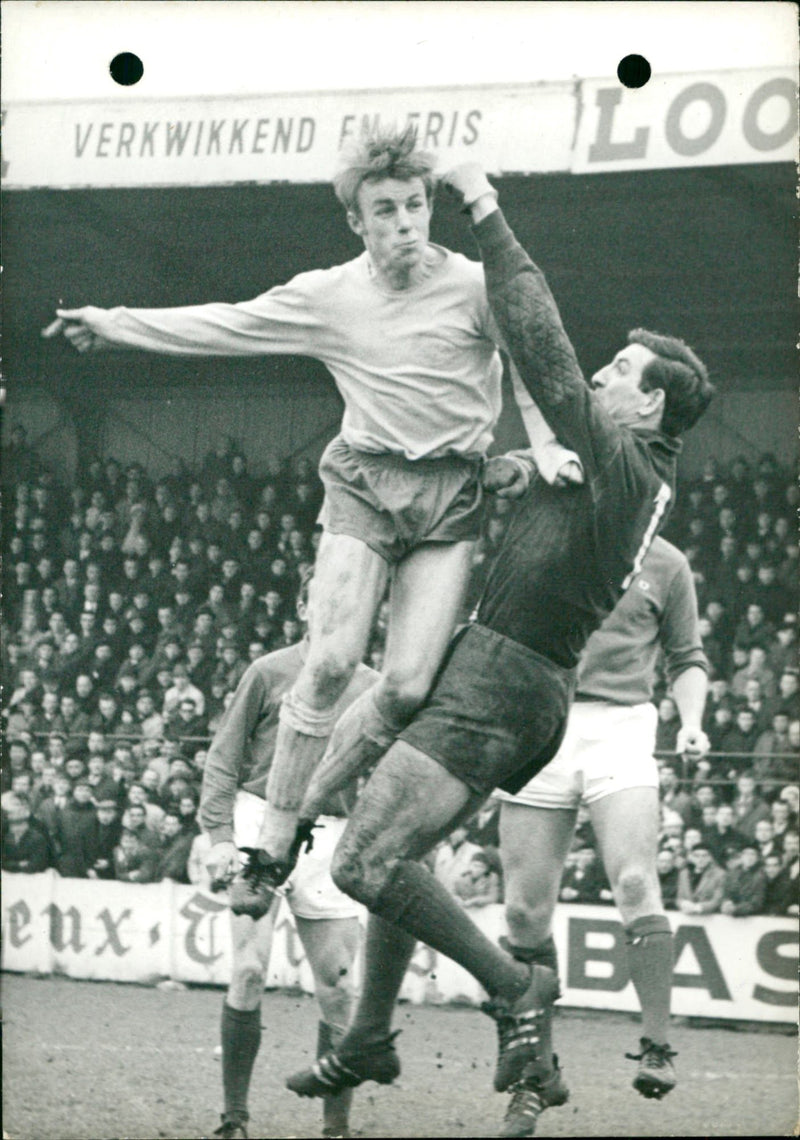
<point x="534" y="843"/>
<point x="348" y="584"/>
<point x="626" y="825"/>
<point x="331" y="946"/>
<point x="428" y="587"/>
<point x="387" y="954"/>
<point x="241" y="1017"/>
<point x="409" y="804"/>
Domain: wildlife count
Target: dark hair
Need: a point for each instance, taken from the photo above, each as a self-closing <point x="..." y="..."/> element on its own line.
<point x="680" y="374"/>
<point x="378" y="154"/>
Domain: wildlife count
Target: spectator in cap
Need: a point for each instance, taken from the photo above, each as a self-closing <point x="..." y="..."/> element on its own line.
<point x="783" y="819"/>
<point x="168" y="656"/>
<point x="50" y="808"/>
<point x="700" y="883"/>
<point x="134" y="819"/>
<point x="748" y="807"/>
<point x="754" y="629"/>
<point x="780" y="892"/>
<point x="217" y="703"/>
<point x="198" y="668"/>
<point x="21" y="786"/>
<point x="101" y="782"/>
<point x="173" y="851"/>
<point x="254" y="559"/>
<point x="134" y="861"/>
<point x="291" y="633"/>
<point x="671" y="794"/>
<point x="204" y="631"/>
<point x="774" y="598"/>
<point x="186" y="726"/>
<point x="739" y="740"/>
<point x="153" y="813"/>
<point x="105" y="838"/>
<point x="102" y="666"/>
<point x="667" y="870"/>
<point x="25" y="846"/>
<point x="126" y="690"/>
<point x="791" y="851"/>
<point x="668" y="726"/>
<point x="745" y="884"/>
<point x="764" y="838"/>
<point x="106" y="718"/>
<point x="787" y="698"/>
<point x="774" y="756"/>
<point x="43" y="786"/>
<point x="181" y="689"/>
<point x="231" y="666"/>
<point x="583" y="880"/>
<point x="74" y="833"/>
<point x="47" y="718"/>
<point x="148" y="721"/>
<point x="187" y="811"/>
<point x="723" y="836"/>
<point x="755" y="671"/>
<point x="791" y="794"/>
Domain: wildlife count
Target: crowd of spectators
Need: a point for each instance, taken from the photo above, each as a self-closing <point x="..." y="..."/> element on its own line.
<point x="132" y="605"/>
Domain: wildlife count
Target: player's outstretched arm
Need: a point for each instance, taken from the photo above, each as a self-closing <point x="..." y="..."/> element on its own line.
<point x="520" y="298"/>
<point x="284" y="320"/>
<point x="78" y="326"/>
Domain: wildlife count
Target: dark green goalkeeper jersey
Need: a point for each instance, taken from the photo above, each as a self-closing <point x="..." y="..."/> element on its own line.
<point x="568" y="554"/>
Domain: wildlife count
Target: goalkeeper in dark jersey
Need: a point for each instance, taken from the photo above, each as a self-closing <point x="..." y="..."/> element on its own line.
<point x="498" y="710"/>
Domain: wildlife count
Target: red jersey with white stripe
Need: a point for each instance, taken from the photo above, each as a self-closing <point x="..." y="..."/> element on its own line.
<point x="656" y="615"/>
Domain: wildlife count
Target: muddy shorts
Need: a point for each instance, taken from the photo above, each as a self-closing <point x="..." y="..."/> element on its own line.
<point x="497" y="712"/>
<point x="394" y="504"/>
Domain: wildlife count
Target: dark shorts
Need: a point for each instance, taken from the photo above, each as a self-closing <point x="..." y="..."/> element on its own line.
<point x="394" y="504"/>
<point x="496" y="714"/>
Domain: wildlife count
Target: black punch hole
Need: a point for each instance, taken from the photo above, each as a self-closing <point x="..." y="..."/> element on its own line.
<point x="633" y="71"/>
<point x="126" y="68"/>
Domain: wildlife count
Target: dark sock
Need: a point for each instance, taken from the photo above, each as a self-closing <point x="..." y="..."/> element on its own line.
<point x="387" y="952"/>
<point x="241" y="1038"/>
<point x="544" y="953"/>
<point x="415" y="900"/>
<point x="649" y="946"/>
<point x="335" y="1106"/>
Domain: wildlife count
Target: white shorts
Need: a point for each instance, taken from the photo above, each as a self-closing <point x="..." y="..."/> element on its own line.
<point x="607" y="748"/>
<point x="310" y="891"/>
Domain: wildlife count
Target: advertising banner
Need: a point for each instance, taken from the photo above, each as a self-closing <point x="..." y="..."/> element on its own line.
<point x="585" y="126"/>
<point x="726" y="968"/>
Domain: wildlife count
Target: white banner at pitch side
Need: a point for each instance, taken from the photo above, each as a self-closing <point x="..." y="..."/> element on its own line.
<point x="728" y="968"/>
<point x="714" y="118"/>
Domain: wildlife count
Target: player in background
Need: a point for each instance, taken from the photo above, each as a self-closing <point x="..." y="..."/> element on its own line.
<point x="231" y="807"/>
<point x="498" y="710"/>
<point x="407" y="333"/>
<point x="606" y="762"/>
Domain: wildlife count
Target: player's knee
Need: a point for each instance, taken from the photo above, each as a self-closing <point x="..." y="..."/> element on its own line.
<point x="329" y="674"/>
<point x="247" y="985"/>
<point x="527" y="920"/>
<point x="401" y="694"/>
<point x="336" y="999"/>
<point x="354" y="877"/>
<point x="334" y="982"/>
<point x="633" y="887"/>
